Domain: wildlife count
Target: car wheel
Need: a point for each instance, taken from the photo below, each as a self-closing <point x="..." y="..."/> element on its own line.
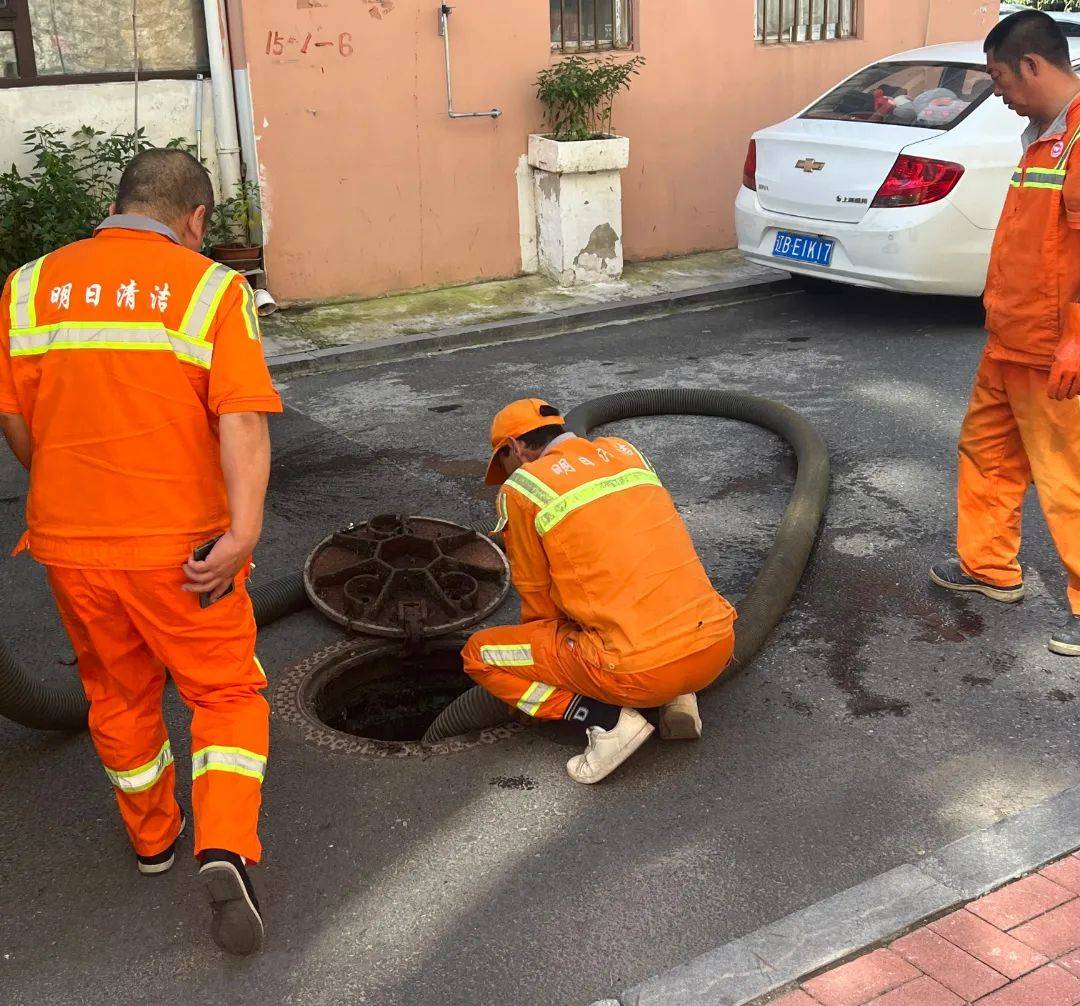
<point x="817" y="287"/>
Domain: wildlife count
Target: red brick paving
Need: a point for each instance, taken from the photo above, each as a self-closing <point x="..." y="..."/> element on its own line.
<point x="1066" y="873"/>
<point x="954" y="968"/>
<point x="862" y="980"/>
<point x="991" y="946"/>
<point x="1055" y="933"/>
<point x="1019" y="946"/>
<point x="1027" y="898"/>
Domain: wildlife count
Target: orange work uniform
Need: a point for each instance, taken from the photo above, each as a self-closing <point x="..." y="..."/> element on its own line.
<point x="121" y="352"/>
<point x="1014" y="433"/>
<point x="615" y="602"/>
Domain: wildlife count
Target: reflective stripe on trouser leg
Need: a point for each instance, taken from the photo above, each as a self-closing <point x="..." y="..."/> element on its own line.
<point x="141" y="778"/>
<point x="218" y="758"/>
<point x="535" y="696"/>
<point x="509" y="655"/>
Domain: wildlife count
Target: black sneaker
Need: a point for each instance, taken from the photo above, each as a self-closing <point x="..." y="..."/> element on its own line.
<point x="237" y="926"/>
<point x="1066" y="640"/>
<point x="150" y="865"/>
<point x="951" y="576"/>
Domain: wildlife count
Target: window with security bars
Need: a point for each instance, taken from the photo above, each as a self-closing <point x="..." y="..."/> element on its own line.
<point x="788" y="21"/>
<point x="588" y="25"/>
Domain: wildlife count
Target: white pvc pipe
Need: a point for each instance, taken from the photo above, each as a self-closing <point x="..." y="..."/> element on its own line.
<point x="221" y="87"/>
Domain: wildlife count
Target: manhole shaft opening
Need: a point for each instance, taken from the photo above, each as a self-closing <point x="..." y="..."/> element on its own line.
<point x="389" y="693"/>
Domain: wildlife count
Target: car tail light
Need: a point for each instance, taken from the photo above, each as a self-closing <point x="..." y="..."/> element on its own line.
<point x="916" y="181"/>
<point x="749" y="171"/>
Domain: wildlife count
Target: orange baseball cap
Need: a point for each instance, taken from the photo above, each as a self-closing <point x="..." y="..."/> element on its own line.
<point x="517" y="419"/>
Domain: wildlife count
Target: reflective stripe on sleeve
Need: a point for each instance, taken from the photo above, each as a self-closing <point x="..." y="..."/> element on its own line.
<point x="1043" y="178"/>
<point x="239" y="761"/>
<point x="136" y="780"/>
<point x="535" y="696"/>
<point x="500" y="509"/>
<point x="205" y="300"/>
<point x="24" y="294"/>
<point x="117" y="335"/>
<point x="531" y="488"/>
<point x="590" y="492"/>
<point x="507" y="655"/>
<point x="250" y="315"/>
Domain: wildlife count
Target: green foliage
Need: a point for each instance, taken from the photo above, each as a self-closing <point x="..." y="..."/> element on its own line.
<point x="235" y="218"/>
<point x="66" y="193"/>
<point x="578" y="94"/>
<point x="1052" y="5"/>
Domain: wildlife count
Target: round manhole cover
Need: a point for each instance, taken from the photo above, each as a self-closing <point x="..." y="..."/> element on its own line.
<point x="406" y="577"/>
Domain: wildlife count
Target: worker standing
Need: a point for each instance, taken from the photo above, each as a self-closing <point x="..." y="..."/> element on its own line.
<point x="134" y="390"/>
<point x="618" y="612"/>
<point x="1023" y="422"/>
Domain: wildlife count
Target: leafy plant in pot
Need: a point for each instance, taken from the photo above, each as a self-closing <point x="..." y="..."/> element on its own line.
<point x="578" y="95"/>
<point x="231" y="227"/>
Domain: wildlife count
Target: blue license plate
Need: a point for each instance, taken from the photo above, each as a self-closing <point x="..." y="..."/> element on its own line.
<point x="803" y="248"/>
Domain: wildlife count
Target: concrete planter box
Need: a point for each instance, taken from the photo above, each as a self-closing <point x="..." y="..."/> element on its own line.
<point x="578" y="193"/>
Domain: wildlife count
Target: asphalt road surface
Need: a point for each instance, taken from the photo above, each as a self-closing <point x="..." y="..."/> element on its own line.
<point x="883" y="720"/>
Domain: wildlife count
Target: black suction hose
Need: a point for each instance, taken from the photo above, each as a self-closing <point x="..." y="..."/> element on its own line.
<point x="776" y="583"/>
<point x="63" y="706"/>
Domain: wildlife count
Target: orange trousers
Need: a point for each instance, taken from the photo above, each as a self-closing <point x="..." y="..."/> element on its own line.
<point x="1013" y="434"/>
<point x="127" y="627"/>
<point x="539" y="668"/>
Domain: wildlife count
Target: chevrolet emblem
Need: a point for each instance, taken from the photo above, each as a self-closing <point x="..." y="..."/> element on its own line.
<point x="809" y="165"/>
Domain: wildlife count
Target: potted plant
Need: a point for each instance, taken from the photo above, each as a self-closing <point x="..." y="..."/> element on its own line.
<point x="234" y="221"/>
<point x="576" y="166"/>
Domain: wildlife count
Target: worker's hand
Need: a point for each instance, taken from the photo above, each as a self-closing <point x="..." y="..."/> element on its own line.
<point x="1065" y="374"/>
<point x="214" y="575"/>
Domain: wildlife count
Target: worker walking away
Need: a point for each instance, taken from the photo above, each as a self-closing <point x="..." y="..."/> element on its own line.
<point x="1023" y="421"/>
<point x="134" y="390"/>
<point x="618" y="613"/>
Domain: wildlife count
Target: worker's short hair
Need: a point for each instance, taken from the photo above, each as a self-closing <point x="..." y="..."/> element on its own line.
<point x="1028" y="33"/>
<point x="165" y="184"/>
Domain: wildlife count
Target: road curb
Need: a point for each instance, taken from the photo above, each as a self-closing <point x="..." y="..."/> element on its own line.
<point x="870" y="913"/>
<point x="534" y="326"/>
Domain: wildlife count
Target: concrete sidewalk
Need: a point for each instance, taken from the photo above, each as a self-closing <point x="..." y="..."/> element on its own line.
<point x="308" y="328"/>
<point x="1019" y="946"/>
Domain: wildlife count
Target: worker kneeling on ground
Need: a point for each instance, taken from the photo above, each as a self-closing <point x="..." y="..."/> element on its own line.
<point x="618" y="612"/>
<point x="133" y="389"/>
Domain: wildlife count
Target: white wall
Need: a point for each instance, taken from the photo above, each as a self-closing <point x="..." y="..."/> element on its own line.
<point x="166" y="110"/>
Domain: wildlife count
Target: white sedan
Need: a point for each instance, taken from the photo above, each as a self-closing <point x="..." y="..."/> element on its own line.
<point x="895" y="179"/>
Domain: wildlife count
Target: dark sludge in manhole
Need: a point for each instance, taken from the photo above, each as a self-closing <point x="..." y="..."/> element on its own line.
<point x="390" y="694"/>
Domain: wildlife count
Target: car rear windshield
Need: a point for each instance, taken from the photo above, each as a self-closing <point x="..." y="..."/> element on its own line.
<point x="928" y="95"/>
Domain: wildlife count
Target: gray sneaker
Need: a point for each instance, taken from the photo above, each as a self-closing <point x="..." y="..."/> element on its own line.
<point x="951" y="576"/>
<point x="1066" y="640"/>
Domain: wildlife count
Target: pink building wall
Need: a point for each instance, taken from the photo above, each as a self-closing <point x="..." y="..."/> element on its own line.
<point x="368" y="186"/>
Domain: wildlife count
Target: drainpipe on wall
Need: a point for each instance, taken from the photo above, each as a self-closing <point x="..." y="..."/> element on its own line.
<point x="221" y="87"/>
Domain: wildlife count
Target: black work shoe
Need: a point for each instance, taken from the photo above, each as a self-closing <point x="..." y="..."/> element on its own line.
<point x="1066" y="640"/>
<point x="951" y="576"/>
<point x="149" y="865"/>
<point x="237" y="926"/>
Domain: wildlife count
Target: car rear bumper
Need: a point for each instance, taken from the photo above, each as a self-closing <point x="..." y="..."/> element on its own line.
<point x="921" y="249"/>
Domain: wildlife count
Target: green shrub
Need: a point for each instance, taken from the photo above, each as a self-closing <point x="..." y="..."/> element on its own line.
<point x="235" y="218"/>
<point x="66" y="192"/>
<point x="578" y="94"/>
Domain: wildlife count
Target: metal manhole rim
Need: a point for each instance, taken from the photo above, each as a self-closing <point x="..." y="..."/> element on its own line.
<point x="290" y="707"/>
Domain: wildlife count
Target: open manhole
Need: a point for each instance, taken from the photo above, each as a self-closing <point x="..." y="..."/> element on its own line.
<point x="379" y="697"/>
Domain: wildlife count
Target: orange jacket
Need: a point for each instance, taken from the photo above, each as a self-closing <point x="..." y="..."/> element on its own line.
<point x="593" y="537"/>
<point x="121" y="352"/>
<point x="1034" y="277"/>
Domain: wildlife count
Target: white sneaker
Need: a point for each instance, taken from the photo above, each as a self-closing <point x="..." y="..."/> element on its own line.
<point x="608" y="749"/>
<point x="680" y="719"/>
